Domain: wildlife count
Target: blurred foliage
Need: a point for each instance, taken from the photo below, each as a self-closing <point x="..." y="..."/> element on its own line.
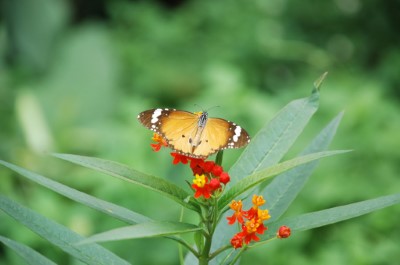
<point x="74" y="75"/>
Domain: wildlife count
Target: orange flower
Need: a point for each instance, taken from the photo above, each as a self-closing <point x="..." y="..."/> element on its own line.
<point x="263" y="215"/>
<point x="160" y="142"/>
<point x="257" y="200"/>
<point x="238" y="214"/>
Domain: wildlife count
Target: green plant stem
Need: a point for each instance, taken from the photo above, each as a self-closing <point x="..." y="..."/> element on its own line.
<point x="185" y="244"/>
<point x="220" y="250"/>
<point x="209" y="217"/>
<point x="180" y="246"/>
<point x="238" y="255"/>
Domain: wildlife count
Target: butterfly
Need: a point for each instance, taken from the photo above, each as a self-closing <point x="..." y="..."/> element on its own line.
<point x="194" y="134"/>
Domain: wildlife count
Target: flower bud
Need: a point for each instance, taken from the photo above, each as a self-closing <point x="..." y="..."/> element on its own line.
<point x="283" y="232"/>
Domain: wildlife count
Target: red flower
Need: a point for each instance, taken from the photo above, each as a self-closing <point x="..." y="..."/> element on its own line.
<point x="215" y="184"/>
<point x="179" y="158"/>
<point x="204" y="191"/>
<point x="224" y="178"/>
<point x="196" y="164"/>
<point x="283" y="232"/>
<point x="216" y="170"/>
<point x="237" y="240"/>
<point x="208" y="166"/>
<point x="201" y="186"/>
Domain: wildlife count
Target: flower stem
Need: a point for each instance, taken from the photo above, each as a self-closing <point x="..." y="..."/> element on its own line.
<point x="238" y="255"/>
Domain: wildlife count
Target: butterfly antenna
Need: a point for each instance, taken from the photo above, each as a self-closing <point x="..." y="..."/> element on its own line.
<point x="207" y="110"/>
<point x="200" y="107"/>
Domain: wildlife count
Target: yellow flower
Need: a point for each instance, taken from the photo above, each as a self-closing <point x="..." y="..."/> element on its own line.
<point x="200" y="180"/>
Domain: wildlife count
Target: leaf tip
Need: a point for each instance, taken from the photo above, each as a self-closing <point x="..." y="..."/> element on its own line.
<point x="318" y="82"/>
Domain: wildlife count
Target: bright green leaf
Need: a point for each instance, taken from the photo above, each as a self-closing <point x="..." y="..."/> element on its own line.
<point x="284" y="188"/>
<point x="30" y="256"/>
<point x="143" y="230"/>
<point x="59" y="235"/>
<point x="333" y="215"/>
<point x="95" y="203"/>
<point x="273" y="141"/>
<point x="123" y="172"/>
<point x="258" y="177"/>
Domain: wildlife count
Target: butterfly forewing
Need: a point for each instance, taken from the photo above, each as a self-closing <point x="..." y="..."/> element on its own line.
<point x="182" y="132"/>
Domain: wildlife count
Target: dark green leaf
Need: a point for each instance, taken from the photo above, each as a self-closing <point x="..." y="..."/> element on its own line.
<point x="159" y="185"/>
<point x="59" y="235"/>
<point x="95" y="203"/>
<point x="29" y="255"/>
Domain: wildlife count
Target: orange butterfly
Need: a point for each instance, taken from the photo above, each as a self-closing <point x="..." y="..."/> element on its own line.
<point x="194" y="134"/>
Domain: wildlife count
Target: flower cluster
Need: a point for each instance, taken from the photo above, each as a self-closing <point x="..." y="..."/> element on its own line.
<point x="208" y="176"/>
<point x="251" y="221"/>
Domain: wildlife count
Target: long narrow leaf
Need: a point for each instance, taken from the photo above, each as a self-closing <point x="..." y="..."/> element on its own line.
<point x="284" y="188"/>
<point x="273" y="141"/>
<point x="249" y="182"/>
<point x="143" y="230"/>
<point x="30" y="256"/>
<point x="59" y="235"/>
<point x="333" y="215"/>
<point x="93" y="202"/>
<point x="128" y="174"/>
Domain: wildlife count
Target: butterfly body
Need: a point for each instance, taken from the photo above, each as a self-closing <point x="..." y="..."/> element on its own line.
<point x="194" y="134"/>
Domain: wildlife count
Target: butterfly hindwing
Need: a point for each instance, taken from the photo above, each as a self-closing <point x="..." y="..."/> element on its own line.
<point x="186" y="134"/>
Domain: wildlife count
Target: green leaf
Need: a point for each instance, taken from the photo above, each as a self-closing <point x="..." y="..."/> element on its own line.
<point x="273" y="141"/>
<point x="143" y="230"/>
<point x="284" y="188"/>
<point x="262" y="175"/>
<point x="123" y="172"/>
<point x="333" y="215"/>
<point x="29" y="255"/>
<point x="59" y="235"/>
<point x="95" y="203"/>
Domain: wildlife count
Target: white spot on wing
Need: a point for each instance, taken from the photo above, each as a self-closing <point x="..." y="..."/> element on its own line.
<point x="156" y="114"/>
<point x="238" y="131"/>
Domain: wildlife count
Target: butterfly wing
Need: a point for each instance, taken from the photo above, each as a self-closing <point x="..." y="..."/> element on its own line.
<point x="175" y="126"/>
<point x="220" y="134"/>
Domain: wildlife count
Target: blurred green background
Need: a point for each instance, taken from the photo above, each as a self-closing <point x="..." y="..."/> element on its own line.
<point x="74" y="75"/>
